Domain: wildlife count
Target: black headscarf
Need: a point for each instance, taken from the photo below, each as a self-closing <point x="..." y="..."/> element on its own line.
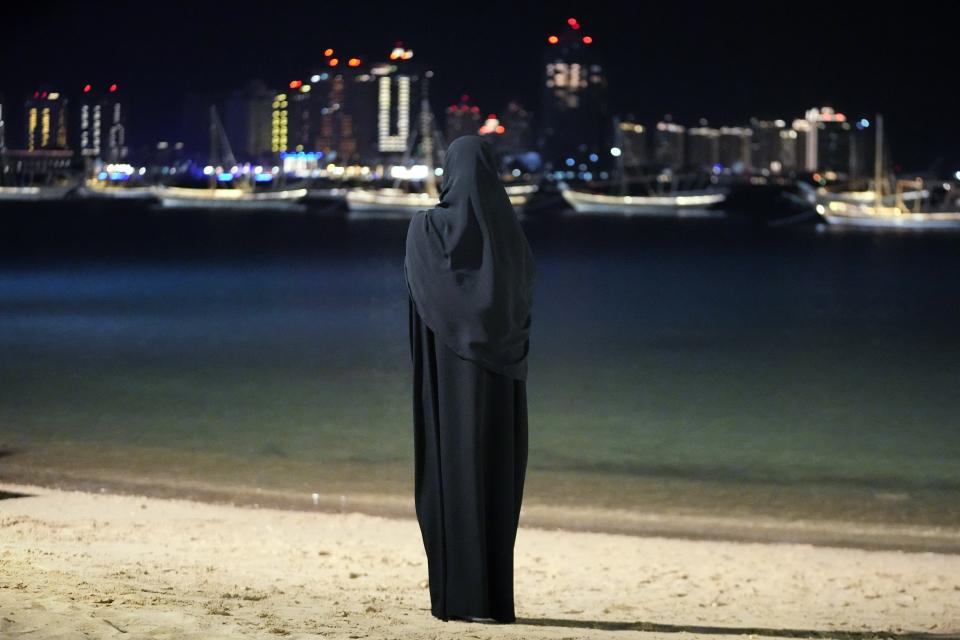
<point x="468" y="265"/>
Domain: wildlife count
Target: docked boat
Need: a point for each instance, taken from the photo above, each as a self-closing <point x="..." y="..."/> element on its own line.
<point x="662" y="197"/>
<point x="886" y="211"/>
<point x="189" y="198"/>
<point x="401" y="202"/>
<point x="680" y="204"/>
<point x="215" y="196"/>
<point x="94" y="190"/>
<point x="34" y="194"/>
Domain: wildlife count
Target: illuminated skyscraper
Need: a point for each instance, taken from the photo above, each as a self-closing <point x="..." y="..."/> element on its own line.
<point x="3" y="129"/>
<point x="574" y="125"/>
<point x="395" y="101"/>
<point x="46" y="120"/>
<point x="103" y="129"/>
<point x="279" y="124"/>
<point x="347" y="132"/>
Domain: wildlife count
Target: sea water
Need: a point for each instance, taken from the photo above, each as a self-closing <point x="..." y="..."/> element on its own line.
<point x="273" y="349"/>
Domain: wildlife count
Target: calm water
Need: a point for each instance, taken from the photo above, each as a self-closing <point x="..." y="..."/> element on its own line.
<point x="696" y="350"/>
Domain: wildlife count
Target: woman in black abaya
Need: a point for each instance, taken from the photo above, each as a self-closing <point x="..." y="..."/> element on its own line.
<point x="470" y="274"/>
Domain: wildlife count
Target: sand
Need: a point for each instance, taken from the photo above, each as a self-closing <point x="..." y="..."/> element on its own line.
<point x="100" y="565"/>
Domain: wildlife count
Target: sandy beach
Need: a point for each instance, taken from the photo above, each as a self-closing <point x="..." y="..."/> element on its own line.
<point x="99" y="565"/>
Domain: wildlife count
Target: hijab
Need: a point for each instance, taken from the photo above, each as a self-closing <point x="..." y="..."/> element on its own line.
<point x="468" y="266"/>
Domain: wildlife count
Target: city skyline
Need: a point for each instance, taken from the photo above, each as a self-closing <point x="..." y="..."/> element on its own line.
<point x="697" y="79"/>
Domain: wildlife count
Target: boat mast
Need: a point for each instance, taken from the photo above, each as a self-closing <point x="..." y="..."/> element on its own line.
<point x="214" y="151"/>
<point x="878" y="165"/>
<point x="426" y="135"/>
<point x="218" y="141"/>
<point x="618" y="143"/>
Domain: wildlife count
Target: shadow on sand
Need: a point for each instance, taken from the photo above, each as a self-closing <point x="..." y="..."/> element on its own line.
<point x="613" y="625"/>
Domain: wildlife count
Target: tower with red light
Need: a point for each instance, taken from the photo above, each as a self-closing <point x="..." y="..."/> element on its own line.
<point x="462" y="118"/>
<point x="102" y="123"/>
<point x="46" y="113"/>
<point x="573" y="132"/>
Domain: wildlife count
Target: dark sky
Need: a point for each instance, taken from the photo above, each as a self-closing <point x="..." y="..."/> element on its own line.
<point x="724" y="61"/>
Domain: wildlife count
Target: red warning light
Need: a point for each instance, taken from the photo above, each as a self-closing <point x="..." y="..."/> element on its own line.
<point x="587" y="40"/>
<point x="553" y="39"/>
<point x="296" y="84"/>
<point x="573" y="23"/>
<point x="333" y="62"/>
<point x="354" y="62"/>
<point x="113" y="88"/>
<point x="328" y="52"/>
<point x="87" y="88"/>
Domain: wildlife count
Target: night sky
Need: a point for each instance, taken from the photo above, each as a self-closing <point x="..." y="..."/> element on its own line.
<point x="724" y="61"/>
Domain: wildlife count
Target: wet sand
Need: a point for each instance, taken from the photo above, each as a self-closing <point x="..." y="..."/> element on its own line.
<point x="89" y="564"/>
<point x="715" y="509"/>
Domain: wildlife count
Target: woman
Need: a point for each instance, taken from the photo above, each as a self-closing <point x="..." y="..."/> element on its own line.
<point x="469" y="273"/>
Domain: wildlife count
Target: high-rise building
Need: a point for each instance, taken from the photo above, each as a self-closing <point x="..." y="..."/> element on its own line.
<point x="396" y="104"/>
<point x="102" y="125"/>
<point x="346" y="132"/>
<point x="829" y="143"/>
<point x="767" y="145"/>
<point x="633" y="145"/>
<point x="668" y="140"/>
<point x="462" y="119"/>
<point x="46" y="120"/>
<point x="703" y="147"/>
<point x="246" y="119"/>
<point x="734" y="148"/>
<point x="574" y="132"/>
<point x="3" y="128"/>
<point x="791" y="145"/>
<point x="515" y="140"/>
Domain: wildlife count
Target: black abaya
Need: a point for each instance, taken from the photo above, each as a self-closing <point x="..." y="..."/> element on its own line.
<point x="470" y="442"/>
<point x="470" y="276"/>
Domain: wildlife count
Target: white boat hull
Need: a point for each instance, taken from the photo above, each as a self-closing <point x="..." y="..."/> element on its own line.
<point x="231" y="199"/>
<point x="116" y="193"/>
<point x="393" y="201"/>
<point x="33" y="194"/>
<point x="946" y="220"/>
<point x="844" y="214"/>
<point x="691" y="204"/>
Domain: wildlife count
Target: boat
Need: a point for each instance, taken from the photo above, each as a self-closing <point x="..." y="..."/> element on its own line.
<point x="676" y="203"/>
<point x="95" y="190"/>
<point x="35" y="194"/>
<point x="886" y="211"/>
<point x="191" y="198"/>
<point x="242" y="197"/>
<point x="401" y="202"/>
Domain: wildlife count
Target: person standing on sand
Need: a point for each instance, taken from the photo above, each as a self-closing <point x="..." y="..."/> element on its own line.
<point x="470" y="273"/>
